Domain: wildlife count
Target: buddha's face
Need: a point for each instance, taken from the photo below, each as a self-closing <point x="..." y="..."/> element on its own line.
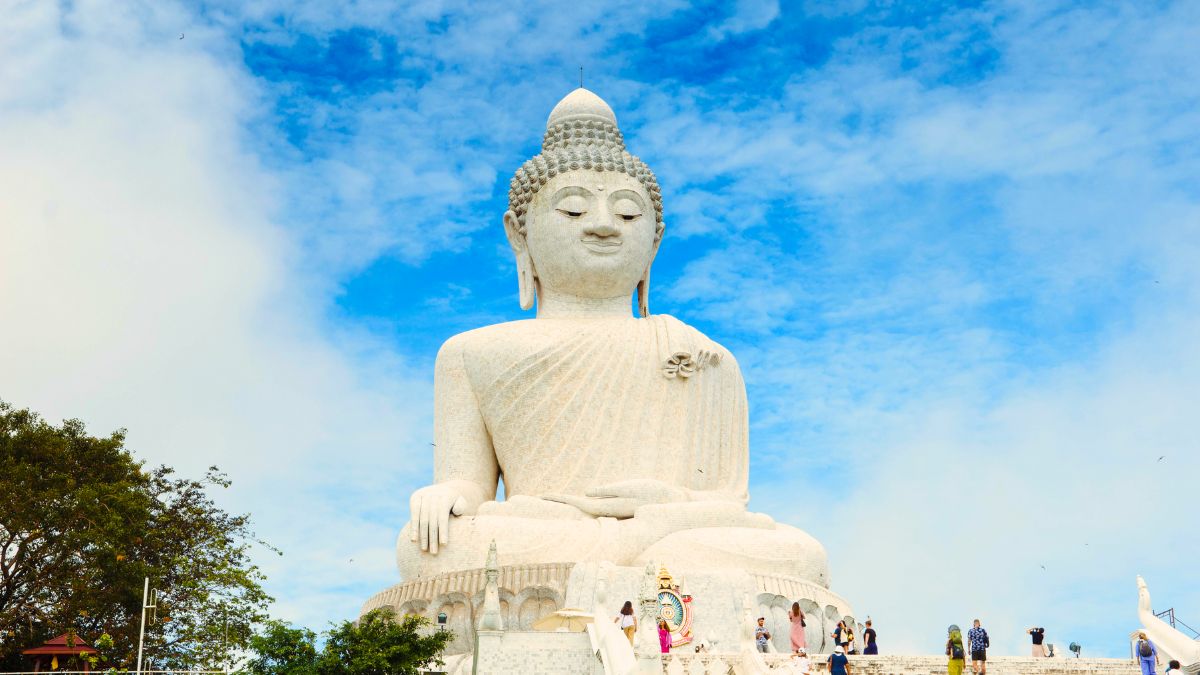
<point x="591" y="233"/>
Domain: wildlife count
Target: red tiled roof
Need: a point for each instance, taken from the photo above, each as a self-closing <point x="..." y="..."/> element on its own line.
<point x="59" y="646"/>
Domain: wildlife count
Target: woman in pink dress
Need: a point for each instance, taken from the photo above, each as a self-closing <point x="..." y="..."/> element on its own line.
<point x="797" y="618"/>
<point x="664" y="636"/>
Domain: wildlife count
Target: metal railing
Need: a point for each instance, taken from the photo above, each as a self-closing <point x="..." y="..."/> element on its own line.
<point x="1169" y="617"/>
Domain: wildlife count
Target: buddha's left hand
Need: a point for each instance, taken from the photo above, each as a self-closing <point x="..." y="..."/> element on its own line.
<point x="621" y="499"/>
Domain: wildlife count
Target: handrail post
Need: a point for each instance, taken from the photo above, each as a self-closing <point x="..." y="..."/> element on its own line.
<point x="142" y="629"/>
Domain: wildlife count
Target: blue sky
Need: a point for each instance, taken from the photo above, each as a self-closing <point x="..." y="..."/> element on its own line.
<point x="953" y="246"/>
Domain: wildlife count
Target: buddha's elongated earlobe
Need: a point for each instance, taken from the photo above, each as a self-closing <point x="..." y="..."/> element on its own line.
<point x="526" y="275"/>
<point x="643" y="292"/>
<point x="643" y="285"/>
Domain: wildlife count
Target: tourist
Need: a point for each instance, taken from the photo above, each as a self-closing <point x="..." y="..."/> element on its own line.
<point x="1173" y="667"/>
<point x="979" y="642"/>
<point x="840" y="637"/>
<point x="1038" y="635"/>
<point x="839" y="664"/>
<point x="1147" y="654"/>
<point x="626" y="620"/>
<point x="870" y="648"/>
<point x="955" y="652"/>
<point x="797" y="618"/>
<point x="848" y="638"/>
<point x="761" y="635"/>
<point x="664" y="636"/>
<point x="801" y="663"/>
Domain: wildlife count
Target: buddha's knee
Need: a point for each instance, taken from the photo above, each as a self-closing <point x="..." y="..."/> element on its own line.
<point x="519" y="541"/>
<point x="782" y="550"/>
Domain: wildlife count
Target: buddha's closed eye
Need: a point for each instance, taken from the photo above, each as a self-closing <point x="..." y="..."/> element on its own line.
<point x="573" y="206"/>
<point x="627" y="210"/>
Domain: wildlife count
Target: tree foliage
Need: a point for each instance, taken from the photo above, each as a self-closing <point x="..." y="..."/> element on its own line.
<point x="82" y="523"/>
<point x="377" y="644"/>
<point x="380" y="645"/>
<point x="280" y="649"/>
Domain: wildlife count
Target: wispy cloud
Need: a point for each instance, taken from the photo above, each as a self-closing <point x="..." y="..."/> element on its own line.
<point x="148" y="284"/>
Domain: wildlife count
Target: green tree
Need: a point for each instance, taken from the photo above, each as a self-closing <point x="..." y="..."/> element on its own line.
<point x="82" y="523"/>
<point x="377" y="644"/>
<point x="280" y="649"/>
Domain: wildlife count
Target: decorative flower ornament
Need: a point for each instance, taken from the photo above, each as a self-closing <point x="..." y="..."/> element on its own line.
<point x="679" y="364"/>
<point x="683" y="365"/>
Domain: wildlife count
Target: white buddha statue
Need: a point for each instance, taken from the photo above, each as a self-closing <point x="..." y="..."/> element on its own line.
<point x="619" y="439"/>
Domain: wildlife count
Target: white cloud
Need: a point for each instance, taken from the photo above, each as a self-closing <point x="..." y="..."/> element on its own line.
<point x="153" y="278"/>
<point x="147" y="284"/>
<point x="956" y="511"/>
<point x="973" y="369"/>
<point x="748" y="15"/>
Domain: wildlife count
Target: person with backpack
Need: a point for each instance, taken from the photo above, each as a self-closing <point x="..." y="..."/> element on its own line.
<point x="839" y="638"/>
<point x="1147" y="654"/>
<point x="978" y="639"/>
<point x="955" y="651"/>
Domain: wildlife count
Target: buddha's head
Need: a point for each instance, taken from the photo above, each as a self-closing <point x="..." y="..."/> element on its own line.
<point x="585" y="216"/>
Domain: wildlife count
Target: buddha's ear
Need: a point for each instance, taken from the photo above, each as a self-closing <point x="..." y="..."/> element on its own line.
<point x="526" y="276"/>
<point x="643" y="286"/>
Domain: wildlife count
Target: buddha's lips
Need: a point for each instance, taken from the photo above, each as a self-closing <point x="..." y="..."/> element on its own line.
<point x="602" y="245"/>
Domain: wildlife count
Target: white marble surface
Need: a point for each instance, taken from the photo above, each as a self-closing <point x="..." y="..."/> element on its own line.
<point x="1171" y="643"/>
<point x="620" y="439"/>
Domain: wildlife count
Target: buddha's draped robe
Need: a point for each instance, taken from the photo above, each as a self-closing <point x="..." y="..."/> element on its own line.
<point x="579" y="404"/>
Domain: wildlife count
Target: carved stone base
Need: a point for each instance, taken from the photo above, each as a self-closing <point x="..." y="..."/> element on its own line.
<point x="529" y="592"/>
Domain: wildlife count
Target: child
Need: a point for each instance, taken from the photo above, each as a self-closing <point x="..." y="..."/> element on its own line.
<point x="801" y="663"/>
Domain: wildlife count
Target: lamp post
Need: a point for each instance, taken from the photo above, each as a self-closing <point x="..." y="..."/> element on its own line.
<point x="441" y="620"/>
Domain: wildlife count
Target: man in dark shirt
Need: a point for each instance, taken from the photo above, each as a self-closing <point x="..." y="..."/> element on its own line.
<point x="1038" y="635"/>
<point x="869" y="638"/>
<point x="978" y="638"/>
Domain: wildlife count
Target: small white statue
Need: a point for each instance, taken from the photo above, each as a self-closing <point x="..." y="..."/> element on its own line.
<point x="1166" y="637"/>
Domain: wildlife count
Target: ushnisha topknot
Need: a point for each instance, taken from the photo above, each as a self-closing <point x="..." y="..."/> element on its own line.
<point x="581" y="133"/>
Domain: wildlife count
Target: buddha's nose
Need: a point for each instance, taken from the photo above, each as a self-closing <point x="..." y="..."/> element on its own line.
<point x="601" y="229"/>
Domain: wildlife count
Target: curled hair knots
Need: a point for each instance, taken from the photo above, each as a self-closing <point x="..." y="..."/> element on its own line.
<point x="582" y="133"/>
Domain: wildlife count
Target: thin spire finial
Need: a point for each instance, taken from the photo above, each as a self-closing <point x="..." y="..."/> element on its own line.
<point x="581" y="77"/>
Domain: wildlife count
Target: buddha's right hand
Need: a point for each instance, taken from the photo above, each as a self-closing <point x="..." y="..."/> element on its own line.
<point x="432" y="506"/>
